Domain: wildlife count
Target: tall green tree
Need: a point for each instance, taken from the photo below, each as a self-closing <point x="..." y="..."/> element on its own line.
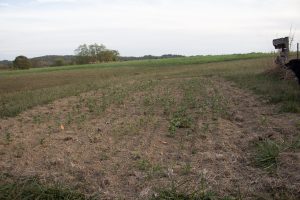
<point x="22" y="62"/>
<point x="109" y="55"/>
<point x="95" y="50"/>
<point x="95" y="53"/>
<point x="82" y="54"/>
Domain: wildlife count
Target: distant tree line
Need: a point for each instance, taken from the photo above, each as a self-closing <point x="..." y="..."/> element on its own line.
<point x="22" y="62"/>
<point x="95" y="53"/>
<point x="5" y="64"/>
<point x="150" y="57"/>
<point x="84" y="54"/>
<point x="53" y="60"/>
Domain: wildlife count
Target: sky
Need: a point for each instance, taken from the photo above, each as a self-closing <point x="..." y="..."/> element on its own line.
<point x="145" y="27"/>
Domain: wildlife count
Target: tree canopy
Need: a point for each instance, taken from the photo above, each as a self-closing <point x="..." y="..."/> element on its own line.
<point x="95" y="53"/>
<point x="22" y="62"/>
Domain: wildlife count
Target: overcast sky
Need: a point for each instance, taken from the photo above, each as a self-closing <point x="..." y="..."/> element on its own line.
<point x="139" y="27"/>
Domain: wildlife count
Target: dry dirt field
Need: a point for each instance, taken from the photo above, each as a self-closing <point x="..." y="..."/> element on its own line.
<point x="182" y="129"/>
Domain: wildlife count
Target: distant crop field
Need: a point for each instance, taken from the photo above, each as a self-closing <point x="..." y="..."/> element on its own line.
<point x="206" y="127"/>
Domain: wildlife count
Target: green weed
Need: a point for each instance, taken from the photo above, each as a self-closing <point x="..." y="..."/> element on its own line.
<point x="8" y="137"/>
<point x="180" y="119"/>
<point x="42" y="141"/>
<point x="143" y="165"/>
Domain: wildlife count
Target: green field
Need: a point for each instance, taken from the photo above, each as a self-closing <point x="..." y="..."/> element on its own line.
<point x="25" y="89"/>
<point x="203" y="127"/>
<point x="147" y="63"/>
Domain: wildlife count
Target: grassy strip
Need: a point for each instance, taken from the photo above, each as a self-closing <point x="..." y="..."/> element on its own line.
<point x="33" y="189"/>
<point x="276" y="91"/>
<point x="13" y="104"/>
<point x="251" y="75"/>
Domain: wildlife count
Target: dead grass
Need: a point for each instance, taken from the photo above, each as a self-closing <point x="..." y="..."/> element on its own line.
<point x="112" y="141"/>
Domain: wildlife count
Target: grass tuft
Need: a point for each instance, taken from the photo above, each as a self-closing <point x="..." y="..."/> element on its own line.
<point x="267" y="153"/>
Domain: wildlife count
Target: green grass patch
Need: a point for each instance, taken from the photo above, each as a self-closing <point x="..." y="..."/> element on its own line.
<point x="180" y="119"/>
<point x="13" y="104"/>
<point x="142" y="63"/>
<point x="33" y="189"/>
<point x="276" y="91"/>
<point x="267" y="153"/>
